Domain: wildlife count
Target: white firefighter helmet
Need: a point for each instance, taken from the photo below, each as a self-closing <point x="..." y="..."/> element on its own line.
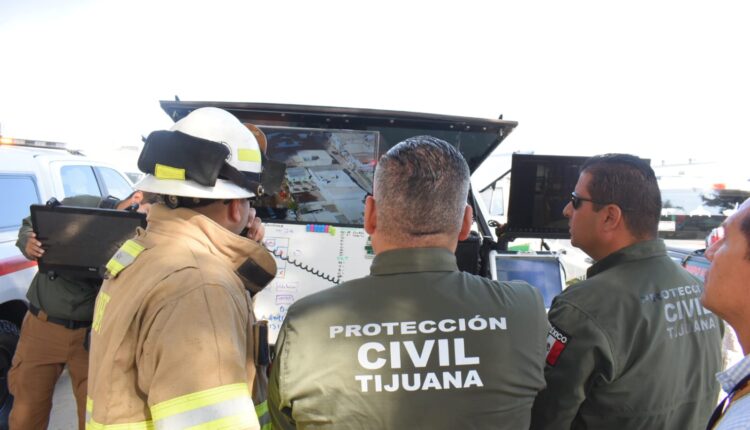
<point x="215" y="125"/>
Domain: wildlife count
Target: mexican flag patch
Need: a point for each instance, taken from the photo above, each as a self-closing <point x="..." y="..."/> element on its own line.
<point x="557" y="340"/>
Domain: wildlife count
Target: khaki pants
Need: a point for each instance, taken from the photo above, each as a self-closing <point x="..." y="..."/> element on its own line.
<point x="43" y="351"/>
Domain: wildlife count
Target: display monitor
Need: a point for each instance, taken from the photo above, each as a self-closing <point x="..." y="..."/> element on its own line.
<point x="540" y="187"/>
<point x="328" y="174"/>
<point x="80" y="241"/>
<point x="542" y="271"/>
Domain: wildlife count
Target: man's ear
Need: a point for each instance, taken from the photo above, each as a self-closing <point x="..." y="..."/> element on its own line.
<point x="466" y="223"/>
<point x="370" y="218"/>
<point x="233" y="211"/>
<point x="612" y="217"/>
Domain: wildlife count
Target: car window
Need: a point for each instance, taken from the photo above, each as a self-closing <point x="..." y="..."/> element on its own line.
<point x="493" y="200"/>
<point x="17" y="192"/>
<point x="117" y="186"/>
<point x="135" y="176"/>
<point x="79" y="180"/>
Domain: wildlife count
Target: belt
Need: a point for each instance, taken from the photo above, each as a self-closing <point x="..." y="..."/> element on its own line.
<point x="70" y="324"/>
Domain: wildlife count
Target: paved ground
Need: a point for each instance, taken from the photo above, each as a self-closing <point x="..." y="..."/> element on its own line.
<point x="63" y="406"/>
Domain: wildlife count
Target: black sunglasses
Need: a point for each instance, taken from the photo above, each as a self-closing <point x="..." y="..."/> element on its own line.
<point x="576" y="200"/>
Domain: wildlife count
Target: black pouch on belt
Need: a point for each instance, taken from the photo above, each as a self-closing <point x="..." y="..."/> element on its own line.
<point x="87" y="340"/>
<point x="260" y="341"/>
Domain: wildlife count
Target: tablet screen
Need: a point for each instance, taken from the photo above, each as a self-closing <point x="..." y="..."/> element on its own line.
<point x="80" y="241"/>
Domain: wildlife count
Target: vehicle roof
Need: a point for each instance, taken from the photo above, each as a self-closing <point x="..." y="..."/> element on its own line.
<point x="476" y="138"/>
<point x="43" y="152"/>
<point x="24" y="158"/>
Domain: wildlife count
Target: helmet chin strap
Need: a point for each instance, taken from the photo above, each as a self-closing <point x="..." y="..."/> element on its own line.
<point x="174" y="202"/>
<point x="248" y="181"/>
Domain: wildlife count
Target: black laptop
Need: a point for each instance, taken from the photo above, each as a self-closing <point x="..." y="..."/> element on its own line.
<point x="80" y="241"/>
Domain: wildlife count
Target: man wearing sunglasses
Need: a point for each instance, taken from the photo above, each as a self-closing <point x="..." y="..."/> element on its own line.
<point x="631" y="346"/>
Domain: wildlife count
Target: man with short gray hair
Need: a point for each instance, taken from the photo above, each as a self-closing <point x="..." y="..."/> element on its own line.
<point x="425" y="182"/>
<point x="417" y="343"/>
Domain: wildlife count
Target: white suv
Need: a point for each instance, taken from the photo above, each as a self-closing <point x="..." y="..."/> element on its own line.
<point x="32" y="175"/>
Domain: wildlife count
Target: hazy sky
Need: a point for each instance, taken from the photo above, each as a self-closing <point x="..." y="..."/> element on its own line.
<point x="661" y="79"/>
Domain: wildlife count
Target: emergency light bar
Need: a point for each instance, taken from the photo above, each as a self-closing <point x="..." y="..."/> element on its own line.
<point x="31" y="143"/>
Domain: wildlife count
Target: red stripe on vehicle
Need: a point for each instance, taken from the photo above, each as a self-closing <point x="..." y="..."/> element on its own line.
<point x="14" y="264"/>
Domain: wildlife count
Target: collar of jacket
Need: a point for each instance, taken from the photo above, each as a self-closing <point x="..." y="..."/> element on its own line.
<point x="252" y="262"/>
<point x="411" y="260"/>
<point x="636" y="251"/>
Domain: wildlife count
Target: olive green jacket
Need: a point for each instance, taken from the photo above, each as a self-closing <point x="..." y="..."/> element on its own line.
<point x="64" y="297"/>
<point x="417" y="344"/>
<point x="631" y="347"/>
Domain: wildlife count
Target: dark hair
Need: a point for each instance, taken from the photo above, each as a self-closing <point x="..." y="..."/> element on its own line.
<point x="630" y="183"/>
<point x="421" y="188"/>
<point x="149" y="197"/>
<point x="111" y="202"/>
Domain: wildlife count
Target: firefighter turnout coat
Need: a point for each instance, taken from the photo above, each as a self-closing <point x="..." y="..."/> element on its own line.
<point x="172" y="337"/>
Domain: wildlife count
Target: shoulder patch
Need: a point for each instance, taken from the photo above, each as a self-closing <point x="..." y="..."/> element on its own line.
<point x="557" y="340"/>
<point x="124" y="257"/>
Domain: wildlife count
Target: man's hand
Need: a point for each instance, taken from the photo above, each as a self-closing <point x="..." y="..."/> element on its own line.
<point x="33" y="249"/>
<point x="255" y="228"/>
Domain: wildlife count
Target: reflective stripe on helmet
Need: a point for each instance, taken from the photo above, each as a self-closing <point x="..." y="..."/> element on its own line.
<point x="252" y="155"/>
<point x="166" y="172"/>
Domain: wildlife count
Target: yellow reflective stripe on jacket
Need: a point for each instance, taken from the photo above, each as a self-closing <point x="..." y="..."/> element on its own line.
<point x="99" y="307"/>
<point x="264" y="418"/>
<point x="89" y="409"/>
<point x="209" y="409"/>
<point x="124" y="257"/>
<point x="168" y="172"/>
